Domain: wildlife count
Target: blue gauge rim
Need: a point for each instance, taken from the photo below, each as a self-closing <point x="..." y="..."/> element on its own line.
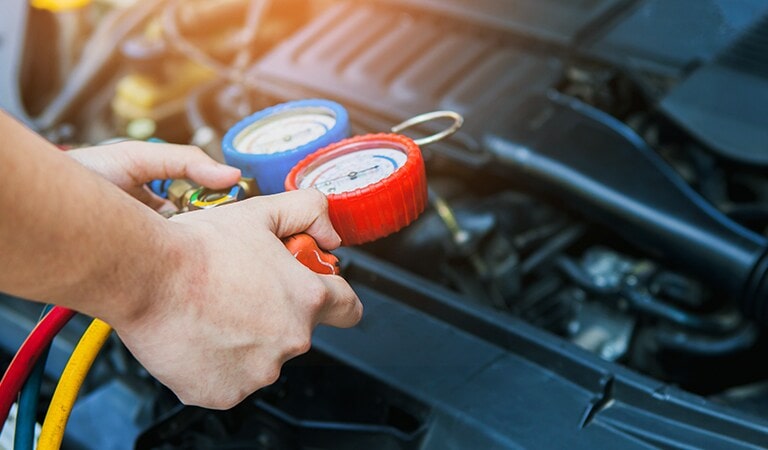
<point x="341" y="126"/>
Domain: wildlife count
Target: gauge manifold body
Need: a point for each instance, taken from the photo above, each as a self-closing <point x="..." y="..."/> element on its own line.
<point x="375" y="184"/>
<point x="267" y="144"/>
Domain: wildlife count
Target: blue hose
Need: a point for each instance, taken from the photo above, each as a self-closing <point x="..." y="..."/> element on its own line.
<point x="26" y="417"/>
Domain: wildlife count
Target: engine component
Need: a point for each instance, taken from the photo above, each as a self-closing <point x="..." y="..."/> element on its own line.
<point x="281" y="417"/>
<point x="267" y="144"/>
<point x="731" y="122"/>
<point x="402" y="63"/>
<point x="602" y="166"/>
<point x="12" y="54"/>
<point x="139" y="96"/>
<point x="506" y="292"/>
<point x="670" y="38"/>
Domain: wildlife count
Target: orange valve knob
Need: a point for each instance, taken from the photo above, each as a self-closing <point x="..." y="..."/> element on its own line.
<point x="307" y="252"/>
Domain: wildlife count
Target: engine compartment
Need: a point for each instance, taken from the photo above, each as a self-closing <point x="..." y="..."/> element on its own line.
<point x="517" y="304"/>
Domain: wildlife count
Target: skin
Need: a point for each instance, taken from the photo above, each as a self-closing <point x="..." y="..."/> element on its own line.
<point x="210" y="302"/>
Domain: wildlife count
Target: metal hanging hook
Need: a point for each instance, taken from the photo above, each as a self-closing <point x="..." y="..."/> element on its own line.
<point x="458" y="121"/>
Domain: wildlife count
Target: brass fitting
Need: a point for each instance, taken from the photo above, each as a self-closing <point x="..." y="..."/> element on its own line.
<point x="205" y="198"/>
<point x="187" y="195"/>
<point x="250" y="187"/>
<point x="180" y="191"/>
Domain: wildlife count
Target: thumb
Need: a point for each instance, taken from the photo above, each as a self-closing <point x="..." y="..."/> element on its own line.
<point x="302" y="211"/>
<point x="343" y="309"/>
<point x="148" y="161"/>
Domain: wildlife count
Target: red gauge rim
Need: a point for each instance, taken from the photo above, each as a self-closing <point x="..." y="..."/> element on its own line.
<point x="381" y="208"/>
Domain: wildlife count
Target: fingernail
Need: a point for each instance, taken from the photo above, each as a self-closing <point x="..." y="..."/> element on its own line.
<point x="223" y="167"/>
<point x="167" y="209"/>
<point x="219" y="170"/>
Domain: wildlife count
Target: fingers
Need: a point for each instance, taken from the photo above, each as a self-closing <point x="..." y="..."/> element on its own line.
<point x="326" y="299"/>
<point x="149" y="161"/>
<point x="302" y="211"/>
<point x="343" y="308"/>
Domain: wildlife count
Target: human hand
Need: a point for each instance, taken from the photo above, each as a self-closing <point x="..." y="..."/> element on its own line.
<point x="237" y="305"/>
<point x="132" y="164"/>
<point x="211" y="302"/>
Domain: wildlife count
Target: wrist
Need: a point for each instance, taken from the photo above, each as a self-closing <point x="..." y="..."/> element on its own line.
<point x="142" y="276"/>
<point x="160" y="278"/>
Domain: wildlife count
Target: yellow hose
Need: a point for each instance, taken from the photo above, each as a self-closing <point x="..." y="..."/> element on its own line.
<point x="59" y="5"/>
<point x="69" y="385"/>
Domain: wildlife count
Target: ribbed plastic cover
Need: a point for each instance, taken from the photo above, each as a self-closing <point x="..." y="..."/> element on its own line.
<point x="725" y="104"/>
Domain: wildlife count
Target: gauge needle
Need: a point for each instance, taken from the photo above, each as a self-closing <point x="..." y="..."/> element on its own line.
<point x="287" y="137"/>
<point x="290" y="137"/>
<point x="351" y="175"/>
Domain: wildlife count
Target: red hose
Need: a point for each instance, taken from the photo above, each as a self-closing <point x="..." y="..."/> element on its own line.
<point x="25" y="358"/>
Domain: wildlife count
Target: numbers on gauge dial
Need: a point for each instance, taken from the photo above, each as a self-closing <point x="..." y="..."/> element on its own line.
<point x="283" y="132"/>
<point x="354" y="170"/>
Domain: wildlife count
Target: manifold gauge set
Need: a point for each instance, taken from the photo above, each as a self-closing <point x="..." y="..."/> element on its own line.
<point x="375" y="183"/>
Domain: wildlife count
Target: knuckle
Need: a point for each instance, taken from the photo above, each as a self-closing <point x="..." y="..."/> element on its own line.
<point x="305" y="346"/>
<point x="357" y="311"/>
<point x="187" y="401"/>
<point x="194" y="150"/>
<point x="205" y="401"/>
<point x="269" y="376"/>
<point x="322" y="199"/>
<point x="319" y="199"/>
<point x="300" y="346"/>
<point x="228" y="401"/>
<point x="316" y="294"/>
<point x="185" y="395"/>
<point x="212" y="399"/>
<point x="221" y="403"/>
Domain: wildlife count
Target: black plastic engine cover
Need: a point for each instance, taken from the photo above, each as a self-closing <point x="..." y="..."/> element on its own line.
<point x="725" y="104"/>
<point x="495" y="382"/>
<point x="465" y="377"/>
<point x="400" y="64"/>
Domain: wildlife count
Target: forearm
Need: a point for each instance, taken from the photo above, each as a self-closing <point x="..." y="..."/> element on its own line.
<point x="69" y="237"/>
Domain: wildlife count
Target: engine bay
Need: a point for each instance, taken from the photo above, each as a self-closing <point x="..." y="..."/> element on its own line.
<point x="591" y="268"/>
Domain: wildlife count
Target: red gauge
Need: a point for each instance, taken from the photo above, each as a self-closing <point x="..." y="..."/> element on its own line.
<point x="375" y="184"/>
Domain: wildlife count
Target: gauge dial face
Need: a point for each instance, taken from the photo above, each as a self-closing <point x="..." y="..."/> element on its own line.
<point x="354" y="170"/>
<point x="285" y="131"/>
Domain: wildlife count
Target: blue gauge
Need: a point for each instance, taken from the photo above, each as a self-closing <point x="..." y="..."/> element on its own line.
<point x="266" y="145"/>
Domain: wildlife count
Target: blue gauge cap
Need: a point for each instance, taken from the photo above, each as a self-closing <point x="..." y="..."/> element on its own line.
<point x="269" y="168"/>
<point x="159" y="187"/>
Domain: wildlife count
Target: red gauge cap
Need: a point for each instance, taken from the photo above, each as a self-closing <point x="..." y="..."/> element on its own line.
<point x="375" y="184"/>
